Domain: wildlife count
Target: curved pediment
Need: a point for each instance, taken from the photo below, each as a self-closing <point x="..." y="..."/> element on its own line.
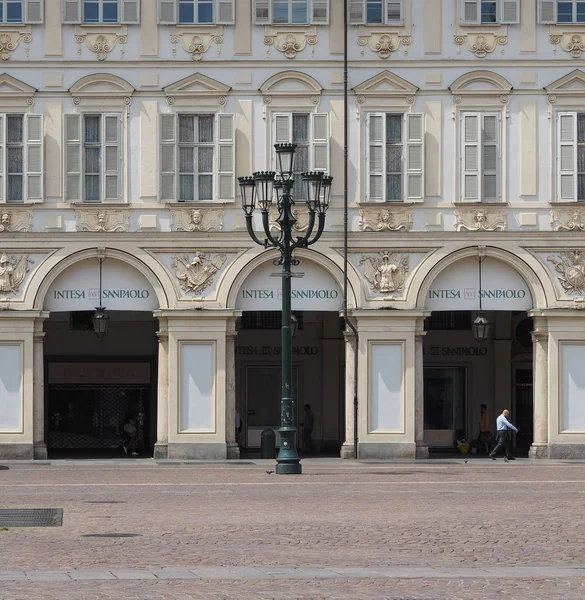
<point x="196" y="85"/>
<point x="571" y="84"/>
<point x="481" y="83"/>
<point x="291" y="83"/>
<point x="385" y="84"/>
<point x="101" y="84"/>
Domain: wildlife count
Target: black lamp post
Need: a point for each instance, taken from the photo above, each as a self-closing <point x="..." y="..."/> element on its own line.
<point x="99" y="318"/>
<point x="260" y="190"/>
<point x="481" y="326"/>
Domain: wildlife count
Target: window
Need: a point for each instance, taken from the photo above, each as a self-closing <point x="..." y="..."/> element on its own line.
<point x="310" y="132"/>
<point x="376" y="12"/>
<point x="93" y="157"/>
<point x="196" y="12"/>
<point x="197" y="158"/>
<point x="291" y="12"/>
<point x="490" y="12"/>
<point x="21" y="158"/>
<point x="95" y="12"/>
<point x="561" y="11"/>
<point x="480" y="156"/>
<point x="395" y="157"/>
<point x="21" y="11"/>
<point x="570" y="156"/>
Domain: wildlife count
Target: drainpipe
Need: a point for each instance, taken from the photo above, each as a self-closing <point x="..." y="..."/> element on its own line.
<point x="348" y="322"/>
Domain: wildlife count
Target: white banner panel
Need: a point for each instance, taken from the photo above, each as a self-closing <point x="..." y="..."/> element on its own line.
<point x="573" y="391"/>
<point x="123" y="288"/>
<point x="386" y="387"/>
<point x="197" y="387"/>
<point x="457" y="287"/>
<point x="315" y="290"/>
<point x="10" y="388"/>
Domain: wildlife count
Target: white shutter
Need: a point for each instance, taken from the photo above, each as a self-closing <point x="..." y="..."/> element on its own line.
<point x="547" y="11"/>
<point x="168" y="158"/>
<point x="510" y="12"/>
<point x="167" y="12"/>
<point x="320" y="142"/>
<point x="357" y="12"/>
<point x="73" y="158"/>
<point x="470" y="157"/>
<point x="225" y="12"/>
<point x="33" y="11"/>
<point x="320" y="12"/>
<point x="490" y="157"/>
<point x="281" y="133"/>
<point x="414" y="151"/>
<point x="112" y="158"/>
<point x="394" y="12"/>
<point x="470" y="12"/>
<point x="130" y="11"/>
<point x="262" y="12"/>
<point x="567" y="156"/>
<point x="2" y="158"/>
<point x="33" y="158"/>
<point x="226" y="157"/>
<point x="71" y="11"/>
<point x="376" y="157"/>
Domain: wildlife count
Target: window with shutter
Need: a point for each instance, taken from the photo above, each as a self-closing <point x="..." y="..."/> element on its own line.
<point x="490" y="12"/>
<point x="570" y="11"/>
<point x="21" y="11"/>
<point x="376" y="157"/>
<point x="71" y="11"/>
<point x="168" y="158"/>
<point x="291" y="12"/>
<point x="33" y="160"/>
<point x="73" y="163"/>
<point x="102" y="11"/>
<point x="225" y="150"/>
<point x="567" y="153"/>
<point x="374" y="12"/>
<point x="415" y="156"/>
<point x="546" y="11"/>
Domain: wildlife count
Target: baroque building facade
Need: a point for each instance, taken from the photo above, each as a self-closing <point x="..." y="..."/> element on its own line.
<point x="124" y="125"/>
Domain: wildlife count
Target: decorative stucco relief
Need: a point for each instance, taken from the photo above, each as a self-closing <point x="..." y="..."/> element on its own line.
<point x="570" y="267"/>
<point x="385" y="271"/>
<point x="102" y="221"/>
<point x="480" y="44"/>
<point x="196" y="274"/>
<point x="196" y="219"/>
<point x="290" y="43"/>
<point x="196" y="44"/>
<point x="300" y="214"/>
<point x="573" y="43"/>
<point x="11" y="40"/>
<point x="383" y="44"/>
<point x="16" y="220"/>
<point x="385" y="220"/>
<point x="567" y="219"/>
<point x="13" y="270"/>
<point x="101" y="44"/>
<point x="480" y="220"/>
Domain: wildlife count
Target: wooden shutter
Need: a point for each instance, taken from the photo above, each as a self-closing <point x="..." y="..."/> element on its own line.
<point x="73" y="157"/>
<point x="225" y="12"/>
<point x="33" y="11"/>
<point x="510" y="12"/>
<point x="320" y="12"/>
<point x="547" y="11"/>
<point x="376" y="157"/>
<point x="281" y="132"/>
<point x="112" y="158"/>
<point x="470" y="13"/>
<point x="168" y="158"/>
<point x="262" y="12"/>
<point x="167" y="12"/>
<point x="394" y="12"/>
<point x="226" y="157"/>
<point x="33" y="158"/>
<point x="130" y="11"/>
<point x="414" y="152"/>
<point x="470" y="157"/>
<point x="490" y="157"/>
<point x="71" y="11"/>
<point x="357" y="12"/>
<point x="320" y="142"/>
<point x="567" y="156"/>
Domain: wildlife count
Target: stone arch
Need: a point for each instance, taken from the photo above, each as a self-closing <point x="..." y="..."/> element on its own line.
<point x="480" y="82"/>
<point x="51" y="269"/>
<point x="291" y="83"/>
<point x="101" y="84"/>
<point x="528" y="267"/>
<point x="245" y="265"/>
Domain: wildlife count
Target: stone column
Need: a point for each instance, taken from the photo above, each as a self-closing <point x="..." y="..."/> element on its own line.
<point x="540" y="392"/>
<point x="40" y="446"/>
<point x="232" y="446"/>
<point x="348" y="449"/>
<point x="422" y="450"/>
<point x="161" y="448"/>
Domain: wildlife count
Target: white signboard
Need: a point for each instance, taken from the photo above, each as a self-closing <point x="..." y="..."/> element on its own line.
<point x="315" y="290"/>
<point x="457" y="287"/>
<point x="123" y="288"/>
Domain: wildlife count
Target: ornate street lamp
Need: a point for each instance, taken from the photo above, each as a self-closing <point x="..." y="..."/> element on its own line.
<point x="261" y="190"/>
<point x="100" y="319"/>
<point x="481" y="326"/>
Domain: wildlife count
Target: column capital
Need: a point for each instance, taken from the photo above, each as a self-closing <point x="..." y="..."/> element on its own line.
<point x="38" y="337"/>
<point x="163" y="336"/>
<point x="539" y="336"/>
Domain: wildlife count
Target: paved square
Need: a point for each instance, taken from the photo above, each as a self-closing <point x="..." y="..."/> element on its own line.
<point x="425" y="530"/>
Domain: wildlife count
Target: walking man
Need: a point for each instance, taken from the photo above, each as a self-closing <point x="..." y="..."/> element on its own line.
<point x="503" y="426"/>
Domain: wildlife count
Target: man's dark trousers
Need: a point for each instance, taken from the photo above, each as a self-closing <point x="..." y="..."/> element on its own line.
<point x="503" y="442"/>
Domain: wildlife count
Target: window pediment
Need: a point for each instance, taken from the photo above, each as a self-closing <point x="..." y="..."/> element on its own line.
<point x="291" y="89"/>
<point x="197" y="89"/>
<point x="481" y="87"/>
<point x="101" y="90"/>
<point x="15" y="93"/>
<point x="572" y="84"/>
<point x="386" y="86"/>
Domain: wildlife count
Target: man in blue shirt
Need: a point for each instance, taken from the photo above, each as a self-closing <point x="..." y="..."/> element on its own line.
<point x="503" y="427"/>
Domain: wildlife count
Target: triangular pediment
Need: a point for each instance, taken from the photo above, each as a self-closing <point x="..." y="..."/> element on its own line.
<point x="196" y="84"/>
<point x="386" y="84"/>
<point x="481" y="82"/>
<point x="101" y="84"/>
<point x="291" y="83"/>
<point x="571" y="83"/>
<point x="11" y="85"/>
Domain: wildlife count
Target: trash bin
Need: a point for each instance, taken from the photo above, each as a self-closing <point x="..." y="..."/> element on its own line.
<point x="268" y="444"/>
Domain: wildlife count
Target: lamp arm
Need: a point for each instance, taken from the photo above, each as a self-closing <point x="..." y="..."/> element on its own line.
<point x="271" y="240"/>
<point x="320" y="229"/>
<point x="252" y="234"/>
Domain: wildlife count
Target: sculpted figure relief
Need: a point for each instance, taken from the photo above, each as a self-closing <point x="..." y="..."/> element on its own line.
<point x="12" y="273"/>
<point x="571" y="267"/>
<point x="196" y="274"/>
<point x="386" y="271"/>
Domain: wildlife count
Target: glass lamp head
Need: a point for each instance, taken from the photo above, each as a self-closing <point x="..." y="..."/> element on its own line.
<point x="248" y="192"/>
<point x="264" y="181"/>
<point x="285" y="155"/>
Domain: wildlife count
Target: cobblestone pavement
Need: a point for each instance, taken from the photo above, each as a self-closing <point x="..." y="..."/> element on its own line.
<point x="464" y="520"/>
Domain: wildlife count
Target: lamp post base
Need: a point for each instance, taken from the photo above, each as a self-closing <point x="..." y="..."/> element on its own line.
<point x="288" y="461"/>
<point x="289" y="468"/>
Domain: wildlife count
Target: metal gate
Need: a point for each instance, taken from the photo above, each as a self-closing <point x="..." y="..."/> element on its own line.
<point x="93" y="417"/>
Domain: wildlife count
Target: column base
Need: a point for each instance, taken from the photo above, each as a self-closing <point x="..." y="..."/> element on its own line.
<point x="422" y="451"/>
<point x="161" y="451"/>
<point x="233" y="451"/>
<point x="40" y="451"/>
<point x="538" y="451"/>
<point x="383" y="450"/>
<point x="347" y="452"/>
